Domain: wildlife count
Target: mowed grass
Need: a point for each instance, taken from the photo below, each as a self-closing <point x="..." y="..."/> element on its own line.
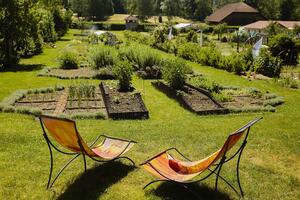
<point x="270" y="167"/>
<point x="120" y="19"/>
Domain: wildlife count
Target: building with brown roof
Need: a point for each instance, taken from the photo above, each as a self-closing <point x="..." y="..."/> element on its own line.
<point x="235" y="14"/>
<point x="131" y="22"/>
<point x="260" y="26"/>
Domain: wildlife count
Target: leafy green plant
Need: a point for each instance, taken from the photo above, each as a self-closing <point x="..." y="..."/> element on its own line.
<point x="202" y="82"/>
<point x="267" y="65"/>
<point x="68" y="60"/>
<point x="287" y="82"/>
<point x="123" y="71"/>
<point x="103" y="56"/>
<point x="145" y="60"/>
<point x="222" y="97"/>
<point x="81" y="90"/>
<point x="175" y="72"/>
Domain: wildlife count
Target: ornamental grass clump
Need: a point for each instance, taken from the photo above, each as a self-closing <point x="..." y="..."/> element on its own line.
<point x="103" y="56"/>
<point x="123" y="71"/>
<point x="145" y="60"/>
<point x="175" y="72"/>
<point x="68" y="60"/>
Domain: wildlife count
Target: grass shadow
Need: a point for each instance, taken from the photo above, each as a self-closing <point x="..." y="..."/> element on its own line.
<point x="173" y="191"/>
<point x="95" y="181"/>
<point x="22" y="67"/>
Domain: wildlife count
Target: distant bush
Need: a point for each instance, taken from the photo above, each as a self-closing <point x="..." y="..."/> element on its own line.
<point x="287" y="82"/>
<point x="146" y="61"/>
<point x="233" y="63"/>
<point x="209" y="56"/>
<point x="62" y="20"/>
<point x="103" y="56"/>
<point x="189" y="51"/>
<point x="105" y="73"/>
<point x="286" y="48"/>
<point x="175" y="72"/>
<point x="222" y="97"/>
<point x="192" y="36"/>
<point x="140" y="38"/>
<point x="68" y="60"/>
<point x="202" y="82"/>
<point x="123" y="72"/>
<point x="267" y="65"/>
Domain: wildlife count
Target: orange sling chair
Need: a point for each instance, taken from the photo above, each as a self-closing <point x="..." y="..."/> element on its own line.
<point x="167" y="168"/>
<point x="65" y="133"/>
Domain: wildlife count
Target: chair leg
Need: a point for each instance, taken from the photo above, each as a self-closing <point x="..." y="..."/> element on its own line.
<point x="84" y="161"/>
<point x="238" y="174"/>
<point x="62" y="169"/>
<point x="51" y="164"/>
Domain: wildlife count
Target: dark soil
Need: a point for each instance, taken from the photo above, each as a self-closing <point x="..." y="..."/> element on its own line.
<point x="125" y="105"/>
<point x="197" y="100"/>
<point x="192" y="98"/>
<point x="48" y="103"/>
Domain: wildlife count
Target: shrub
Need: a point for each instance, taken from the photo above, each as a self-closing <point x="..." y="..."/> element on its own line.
<point x="233" y="63"/>
<point x="140" y="38"/>
<point x="123" y="72"/>
<point x="145" y="60"/>
<point x="202" y="82"/>
<point x="222" y="97"/>
<point x="286" y="47"/>
<point x="103" y="56"/>
<point x="192" y="36"/>
<point x="267" y="65"/>
<point x="68" y="60"/>
<point x="209" y="56"/>
<point x="287" y="82"/>
<point x="175" y="72"/>
<point x="62" y="20"/>
<point x="189" y="51"/>
<point x="105" y="74"/>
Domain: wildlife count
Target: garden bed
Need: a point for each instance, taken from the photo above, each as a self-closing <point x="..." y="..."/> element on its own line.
<point x="193" y="99"/>
<point x="82" y="72"/>
<point x="123" y="105"/>
<point x="232" y="99"/>
<point x="54" y="101"/>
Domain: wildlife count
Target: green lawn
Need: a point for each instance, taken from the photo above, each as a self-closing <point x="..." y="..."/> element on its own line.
<point x="270" y="168"/>
<point x="119" y="19"/>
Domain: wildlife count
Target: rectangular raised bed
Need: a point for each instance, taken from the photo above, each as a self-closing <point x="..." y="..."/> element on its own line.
<point x="136" y="109"/>
<point x="210" y="105"/>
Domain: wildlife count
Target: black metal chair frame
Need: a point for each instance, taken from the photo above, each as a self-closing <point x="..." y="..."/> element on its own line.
<point x="76" y="155"/>
<point x="216" y="167"/>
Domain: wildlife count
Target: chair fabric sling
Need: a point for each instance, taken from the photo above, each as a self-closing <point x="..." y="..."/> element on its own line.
<point x="65" y="133"/>
<point x="167" y="168"/>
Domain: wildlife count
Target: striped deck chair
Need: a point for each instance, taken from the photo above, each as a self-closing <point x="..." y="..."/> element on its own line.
<point x="65" y="133"/>
<point x="167" y="168"/>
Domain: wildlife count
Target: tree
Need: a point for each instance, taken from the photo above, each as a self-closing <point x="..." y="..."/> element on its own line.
<point x="220" y="29"/>
<point x="119" y="6"/>
<point x="171" y="8"/>
<point x="286" y="8"/>
<point x="13" y="21"/>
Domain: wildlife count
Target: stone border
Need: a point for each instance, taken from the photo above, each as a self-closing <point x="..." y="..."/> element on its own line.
<point x="143" y="114"/>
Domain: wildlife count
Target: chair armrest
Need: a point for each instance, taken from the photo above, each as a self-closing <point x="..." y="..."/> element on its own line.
<point x="152" y="158"/>
<point x="121" y="139"/>
<point x="174" y="148"/>
<point x="94" y="142"/>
